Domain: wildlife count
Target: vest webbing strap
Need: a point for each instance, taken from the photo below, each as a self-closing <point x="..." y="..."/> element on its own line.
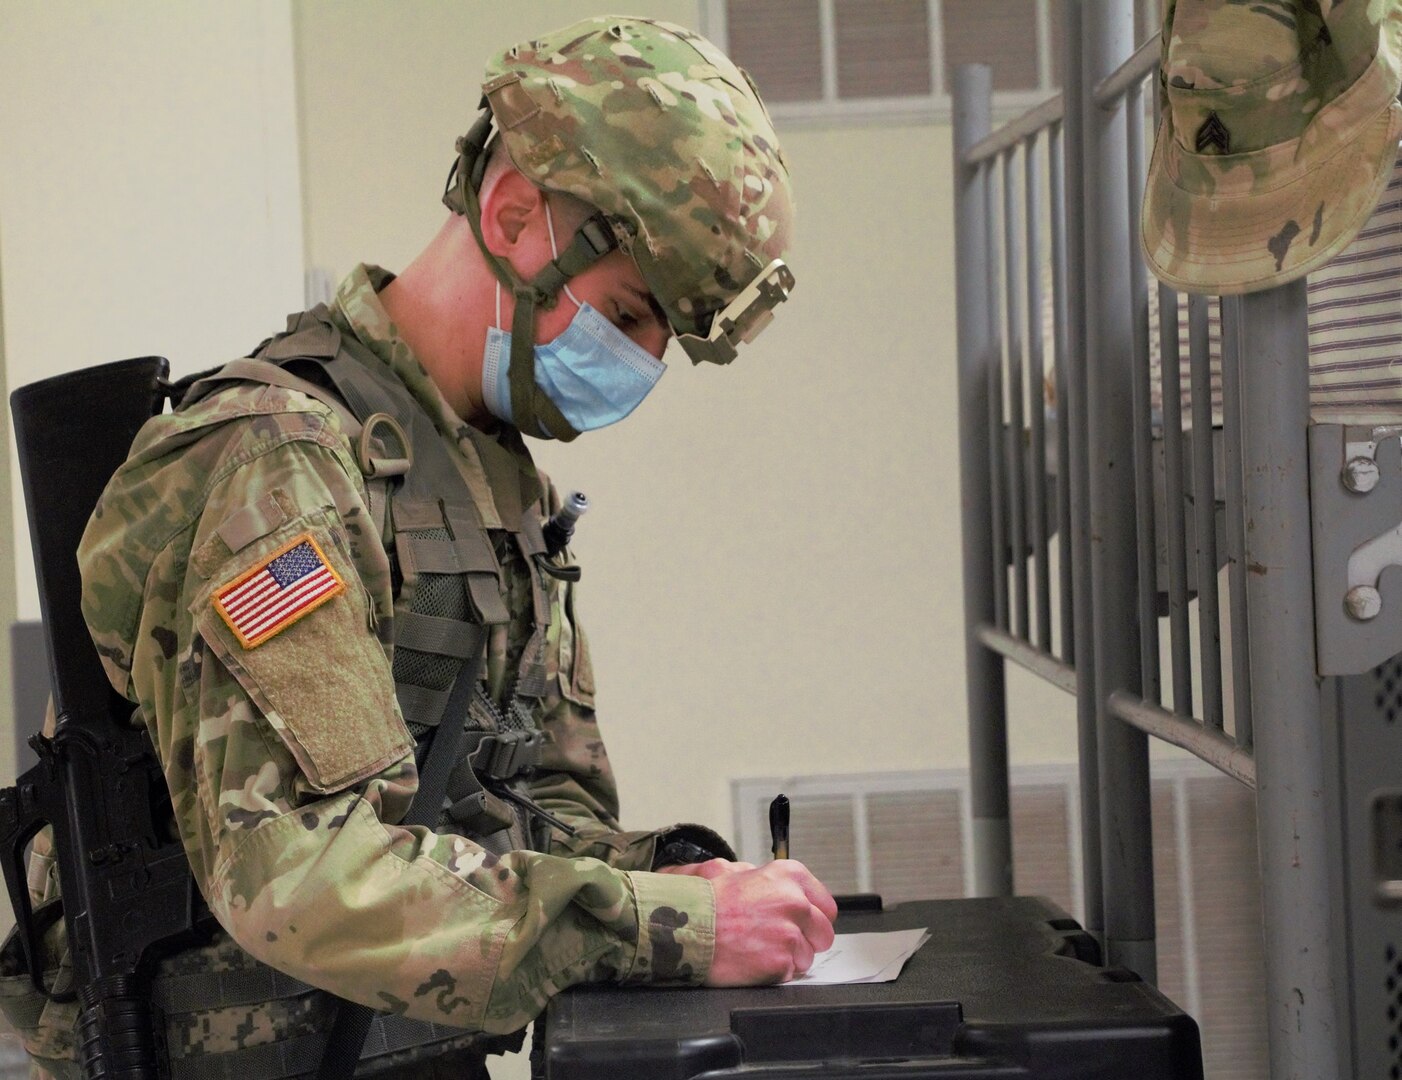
<point x="531" y="682"/>
<point x="265" y="371"/>
<point x="298" y="1057"/>
<point x="432" y="555"/>
<point x="433" y="473"/>
<point x="348" y="1033"/>
<point x="205" y="990"/>
<point x="24" y="1010"/>
<point x="430" y="633"/>
<point x="421" y="705"/>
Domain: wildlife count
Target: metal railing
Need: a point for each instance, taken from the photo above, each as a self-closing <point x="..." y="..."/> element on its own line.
<point x="1148" y="507"/>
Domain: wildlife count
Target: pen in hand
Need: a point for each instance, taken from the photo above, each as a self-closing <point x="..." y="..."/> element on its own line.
<point x="779" y="826"/>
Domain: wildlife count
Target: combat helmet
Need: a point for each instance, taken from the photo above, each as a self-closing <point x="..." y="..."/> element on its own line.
<point x="653" y="126"/>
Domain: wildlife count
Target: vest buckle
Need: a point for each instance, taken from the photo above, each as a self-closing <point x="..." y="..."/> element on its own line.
<point x="504" y="755"/>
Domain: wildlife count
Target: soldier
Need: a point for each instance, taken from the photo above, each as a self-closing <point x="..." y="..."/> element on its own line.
<point x="297" y="572"/>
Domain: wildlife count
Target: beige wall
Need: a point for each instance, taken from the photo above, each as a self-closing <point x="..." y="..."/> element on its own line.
<point x="149" y="200"/>
<point x="772" y="565"/>
<point x="8" y="607"/>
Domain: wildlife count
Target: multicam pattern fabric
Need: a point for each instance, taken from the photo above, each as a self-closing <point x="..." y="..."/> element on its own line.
<point x="1280" y="125"/>
<point x="656" y="127"/>
<point x="289" y="764"/>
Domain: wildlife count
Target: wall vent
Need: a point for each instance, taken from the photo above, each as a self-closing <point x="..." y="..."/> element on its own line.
<point x="908" y="836"/>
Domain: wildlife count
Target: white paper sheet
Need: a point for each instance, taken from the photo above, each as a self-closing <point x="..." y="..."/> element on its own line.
<point x="863" y="958"/>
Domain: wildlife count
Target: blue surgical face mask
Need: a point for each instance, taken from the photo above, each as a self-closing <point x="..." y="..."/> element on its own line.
<point x="593" y="372"/>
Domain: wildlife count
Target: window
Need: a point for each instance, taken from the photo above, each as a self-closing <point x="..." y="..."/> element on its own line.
<point x="834" y="60"/>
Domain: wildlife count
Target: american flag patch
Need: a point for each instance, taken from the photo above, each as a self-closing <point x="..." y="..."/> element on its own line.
<point x="295" y="580"/>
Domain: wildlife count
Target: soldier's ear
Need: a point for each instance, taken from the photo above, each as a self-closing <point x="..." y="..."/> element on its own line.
<point x="510" y="206"/>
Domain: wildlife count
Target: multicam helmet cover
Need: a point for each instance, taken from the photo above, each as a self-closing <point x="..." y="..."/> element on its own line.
<point x="654" y="126"/>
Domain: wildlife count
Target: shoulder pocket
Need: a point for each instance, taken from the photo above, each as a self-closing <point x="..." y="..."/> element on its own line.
<point x="289" y="618"/>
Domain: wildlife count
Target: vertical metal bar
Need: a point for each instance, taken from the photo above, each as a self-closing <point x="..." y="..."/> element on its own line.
<point x="1171" y="394"/>
<point x="1126" y="837"/>
<point x="1187" y="908"/>
<point x="1236" y="524"/>
<point x="1076" y="469"/>
<point x="1171" y="398"/>
<point x="934" y="13"/>
<point x="1143" y="419"/>
<point x="1205" y="513"/>
<point x="861" y="831"/>
<point x="1073" y="829"/>
<point x="1303" y="930"/>
<point x="827" y="29"/>
<point x="978" y="358"/>
<point x="1036" y="398"/>
<point x="997" y="439"/>
<point x="1045" y="73"/>
<point x="1056" y="166"/>
<point x="1017" y="446"/>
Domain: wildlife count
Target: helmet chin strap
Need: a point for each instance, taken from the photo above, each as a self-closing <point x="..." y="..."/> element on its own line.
<point x="531" y="411"/>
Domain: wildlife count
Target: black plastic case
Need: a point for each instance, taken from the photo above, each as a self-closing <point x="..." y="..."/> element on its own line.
<point x="1006" y="988"/>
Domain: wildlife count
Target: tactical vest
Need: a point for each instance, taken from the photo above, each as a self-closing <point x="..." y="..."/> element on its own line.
<point x="446" y="567"/>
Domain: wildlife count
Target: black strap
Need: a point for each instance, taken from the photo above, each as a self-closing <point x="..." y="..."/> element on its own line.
<point x="347" y="1037"/>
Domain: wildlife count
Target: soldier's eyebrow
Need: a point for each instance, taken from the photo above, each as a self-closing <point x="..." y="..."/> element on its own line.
<point x="646" y="297"/>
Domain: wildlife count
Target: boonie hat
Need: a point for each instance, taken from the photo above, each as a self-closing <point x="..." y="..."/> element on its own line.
<point x="1280" y="127"/>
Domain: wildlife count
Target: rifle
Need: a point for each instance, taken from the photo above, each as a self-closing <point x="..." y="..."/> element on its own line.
<point x="125" y="882"/>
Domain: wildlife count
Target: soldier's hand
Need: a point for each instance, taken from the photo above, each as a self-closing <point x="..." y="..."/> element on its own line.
<point x="770" y="922"/>
<point x="711" y="868"/>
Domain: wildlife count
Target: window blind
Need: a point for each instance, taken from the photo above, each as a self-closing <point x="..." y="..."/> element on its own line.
<point x="883" y="48"/>
<point x="779" y="42"/>
<point x="1000" y="33"/>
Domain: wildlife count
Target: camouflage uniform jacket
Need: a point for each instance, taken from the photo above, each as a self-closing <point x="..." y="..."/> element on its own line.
<point x="289" y="763"/>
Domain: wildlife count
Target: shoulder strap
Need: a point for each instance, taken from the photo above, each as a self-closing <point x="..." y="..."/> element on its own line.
<point x="251" y="369"/>
<point x="347" y="1038"/>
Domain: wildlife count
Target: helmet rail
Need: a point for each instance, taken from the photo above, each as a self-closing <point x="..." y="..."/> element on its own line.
<point x="743" y="318"/>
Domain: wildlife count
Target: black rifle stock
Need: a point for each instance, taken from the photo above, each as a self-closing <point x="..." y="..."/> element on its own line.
<point x="125" y="882"/>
